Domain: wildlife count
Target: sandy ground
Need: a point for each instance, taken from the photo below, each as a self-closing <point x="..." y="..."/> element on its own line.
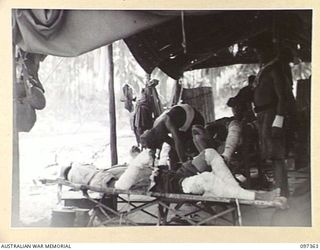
<point x="43" y="155"/>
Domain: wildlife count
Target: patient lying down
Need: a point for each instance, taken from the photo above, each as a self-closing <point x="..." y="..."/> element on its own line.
<point x="206" y="175"/>
<point x="213" y="178"/>
<point x="134" y="176"/>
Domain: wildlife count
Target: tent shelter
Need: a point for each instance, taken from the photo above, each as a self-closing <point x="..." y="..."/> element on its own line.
<point x="174" y="41"/>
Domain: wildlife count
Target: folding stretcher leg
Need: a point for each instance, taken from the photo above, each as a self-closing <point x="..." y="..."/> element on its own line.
<point x="163" y="212"/>
<point x="176" y="212"/>
<point x="186" y="217"/>
<point x="239" y="216"/>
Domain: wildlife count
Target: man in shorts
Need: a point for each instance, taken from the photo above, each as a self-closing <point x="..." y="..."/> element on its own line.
<point x="272" y="101"/>
<point x="177" y="122"/>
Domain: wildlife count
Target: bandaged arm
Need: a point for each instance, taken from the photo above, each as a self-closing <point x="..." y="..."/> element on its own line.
<point x="233" y="139"/>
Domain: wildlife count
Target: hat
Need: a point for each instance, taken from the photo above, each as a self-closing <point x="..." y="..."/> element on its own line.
<point x="237" y="102"/>
<point x="232" y="102"/>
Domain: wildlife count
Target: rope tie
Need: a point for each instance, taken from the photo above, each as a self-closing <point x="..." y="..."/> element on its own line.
<point x="184" y="40"/>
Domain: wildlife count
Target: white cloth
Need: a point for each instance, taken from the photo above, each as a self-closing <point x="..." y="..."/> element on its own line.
<point x="278" y="121"/>
<point x="218" y="183"/>
<point x="135" y="171"/>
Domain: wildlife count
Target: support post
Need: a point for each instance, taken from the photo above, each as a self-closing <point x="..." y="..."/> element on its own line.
<point x="176" y="93"/>
<point x="147" y="79"/>
<point x="112" y="109"/>
<point x="15" y="202"/>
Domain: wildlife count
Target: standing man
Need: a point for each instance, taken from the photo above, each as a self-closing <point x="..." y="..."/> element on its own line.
<point x="271" y="98"/>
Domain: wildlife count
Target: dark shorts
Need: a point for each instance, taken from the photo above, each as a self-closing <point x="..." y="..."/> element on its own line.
<point x="271" y="148"/>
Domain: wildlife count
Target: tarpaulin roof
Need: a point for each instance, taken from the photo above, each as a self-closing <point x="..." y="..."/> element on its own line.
<point x="209" y="36"/>
<point x="74" y="32"/>
<point x="156" y="38"/>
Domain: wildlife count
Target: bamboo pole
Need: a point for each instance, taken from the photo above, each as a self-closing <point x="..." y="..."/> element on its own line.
<point x="112" y="108"/>
<point x="15" y="211"/>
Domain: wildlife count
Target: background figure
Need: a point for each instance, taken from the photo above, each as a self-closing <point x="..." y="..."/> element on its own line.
<point x="143" y="115"/>
<point x="148" y="108"/>
<point x="272" y="100"/>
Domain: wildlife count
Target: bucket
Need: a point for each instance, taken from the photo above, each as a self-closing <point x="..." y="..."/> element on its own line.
<point x="81" y="217"/>
<point x="63" y="217"/>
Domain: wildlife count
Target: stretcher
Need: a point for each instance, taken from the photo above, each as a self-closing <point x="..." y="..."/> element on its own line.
<point x="161" y="208"/>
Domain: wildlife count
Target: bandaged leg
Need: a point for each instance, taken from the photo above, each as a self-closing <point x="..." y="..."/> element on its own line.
<point x="135" y="170"/>
<point x="209" y="184"/>
<point x="219" y="167"/>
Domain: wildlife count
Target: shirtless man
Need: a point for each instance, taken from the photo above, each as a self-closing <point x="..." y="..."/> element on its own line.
<point x="178" y="122"/>
<point x="271" y="100"/>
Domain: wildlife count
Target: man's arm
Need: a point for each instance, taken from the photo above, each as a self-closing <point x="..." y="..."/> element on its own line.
<point x="279" y="81"/>
<point x="176" y="138"/>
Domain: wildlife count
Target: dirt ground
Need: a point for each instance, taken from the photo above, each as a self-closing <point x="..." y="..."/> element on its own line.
<point x="43" y="156"/>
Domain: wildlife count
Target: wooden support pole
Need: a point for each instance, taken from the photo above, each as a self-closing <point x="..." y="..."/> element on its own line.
<point x="176" y="93"/>
<point x="112" y="109"/>
<point x="148" y="78"/>
<point x="15" y="203"/>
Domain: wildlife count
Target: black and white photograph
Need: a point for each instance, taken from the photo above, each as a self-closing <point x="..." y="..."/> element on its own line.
<point x="161" y="118"/>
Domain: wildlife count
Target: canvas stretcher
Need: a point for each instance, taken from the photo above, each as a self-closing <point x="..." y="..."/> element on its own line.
<point x="160" y="209"/>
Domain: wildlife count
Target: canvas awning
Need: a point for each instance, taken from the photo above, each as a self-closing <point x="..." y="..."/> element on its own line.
<point x="74" y="32"/>
<point x="156" y="38"/>
<point x="209" y="36"/>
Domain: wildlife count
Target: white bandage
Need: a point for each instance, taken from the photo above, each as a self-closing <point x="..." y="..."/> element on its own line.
<point x="233" y="139"/>
<point x="278" y="121"/>
<point x="135" y="171"/>
<point x="164" y="154"/>
<point x="218" y="166"/>
<point x="194" y="184"/>
<point x="209" y="184"/>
